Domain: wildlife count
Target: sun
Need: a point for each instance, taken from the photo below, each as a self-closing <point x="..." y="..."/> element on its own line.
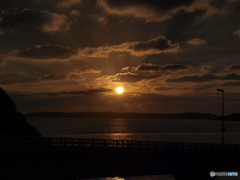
<point x="119" y="90"/>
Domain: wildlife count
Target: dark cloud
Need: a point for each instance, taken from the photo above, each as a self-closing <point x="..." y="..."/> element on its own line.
<point x="8" y="81"/>
<point x="29" y="80"/>
<point x="150" y="10"/>
<point x="149" y="67"/>
<point x="204" y="78"/>
<point x="99" y="19"/>
<point x="12" y="20"/>
<point x="47" y="94"/>
<point x="175" y="67"/>
<point x="47" y="52"/>
<point x="234" y="67"/>
<point x="68" y="3"/>
<point x="75" y="77"/>
<point x="12" y="81"/>
<point x="230" y="77"/>
<point x="35" y="4"/>
<point x="90" y="91"/>
<point x="157" y="5"/>
<point x="166" y="68"/>
<point x="129" y="77"/>
<point x="87" y="92"/>
<point x="54" y="76"/>
<point x="232" y="83"/>
<point x="159" y="43"/>
<point x="163" y="88"/>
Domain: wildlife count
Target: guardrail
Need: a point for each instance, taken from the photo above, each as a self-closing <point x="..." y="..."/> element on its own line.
<point x="75" y="142"/>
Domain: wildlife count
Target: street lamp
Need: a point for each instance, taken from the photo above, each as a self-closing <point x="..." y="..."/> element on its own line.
<point x="223" y="128"/>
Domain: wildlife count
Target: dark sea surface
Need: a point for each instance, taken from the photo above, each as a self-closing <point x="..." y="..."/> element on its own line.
<point x="171" y="130"/>
<point x="168" y="130"/>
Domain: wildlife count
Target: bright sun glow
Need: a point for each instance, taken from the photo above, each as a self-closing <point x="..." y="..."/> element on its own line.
<point x="119" y="90"/>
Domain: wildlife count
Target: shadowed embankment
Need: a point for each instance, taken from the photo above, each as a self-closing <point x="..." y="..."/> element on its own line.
<point x="44" y="161"/>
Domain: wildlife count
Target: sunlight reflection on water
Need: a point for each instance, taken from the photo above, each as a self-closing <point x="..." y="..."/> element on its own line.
<point x="162" y="177"/>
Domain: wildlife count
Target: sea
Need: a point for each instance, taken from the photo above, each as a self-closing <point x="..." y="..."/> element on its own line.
<point x="166" y="130"/>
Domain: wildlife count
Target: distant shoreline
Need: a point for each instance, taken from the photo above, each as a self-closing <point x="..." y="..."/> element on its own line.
<point x="187" y="115"/>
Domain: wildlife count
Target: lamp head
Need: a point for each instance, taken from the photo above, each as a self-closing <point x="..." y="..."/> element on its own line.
<point x="221" y="90"/>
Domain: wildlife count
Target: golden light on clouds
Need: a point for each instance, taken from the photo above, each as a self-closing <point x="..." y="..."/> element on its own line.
<point x="119" y="90"/>
<point x="114" y="178"/>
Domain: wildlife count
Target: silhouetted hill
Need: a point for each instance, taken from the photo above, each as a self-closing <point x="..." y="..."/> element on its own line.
<point x="231" y="117"/>
<point x="187" y="115"/>
<point x="13" y="122"/>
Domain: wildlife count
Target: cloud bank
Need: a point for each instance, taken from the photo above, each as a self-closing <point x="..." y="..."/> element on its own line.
<point x="49" y="22"/>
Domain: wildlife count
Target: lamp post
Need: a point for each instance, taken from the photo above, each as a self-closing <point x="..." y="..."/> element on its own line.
<point x="223" y="128"/>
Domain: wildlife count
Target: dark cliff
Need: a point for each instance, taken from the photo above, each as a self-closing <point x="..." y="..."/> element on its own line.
<point x="12" y="122"/>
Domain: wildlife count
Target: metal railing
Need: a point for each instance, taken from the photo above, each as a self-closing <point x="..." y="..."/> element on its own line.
<point x="75" y="142"/>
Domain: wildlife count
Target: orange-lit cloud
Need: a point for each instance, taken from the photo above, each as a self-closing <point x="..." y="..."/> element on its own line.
<point x="131" y="77"/>
<point x="196" y="41"/>
<point x="75" y="12"/>
<point x="153" y="46"/>
<point x="209" y="69"/>
<point x="92" y="71"/>
<point x="237" y="33"/>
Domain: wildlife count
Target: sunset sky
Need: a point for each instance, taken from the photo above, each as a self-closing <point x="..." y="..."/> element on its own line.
<point x="170" y="56"/>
